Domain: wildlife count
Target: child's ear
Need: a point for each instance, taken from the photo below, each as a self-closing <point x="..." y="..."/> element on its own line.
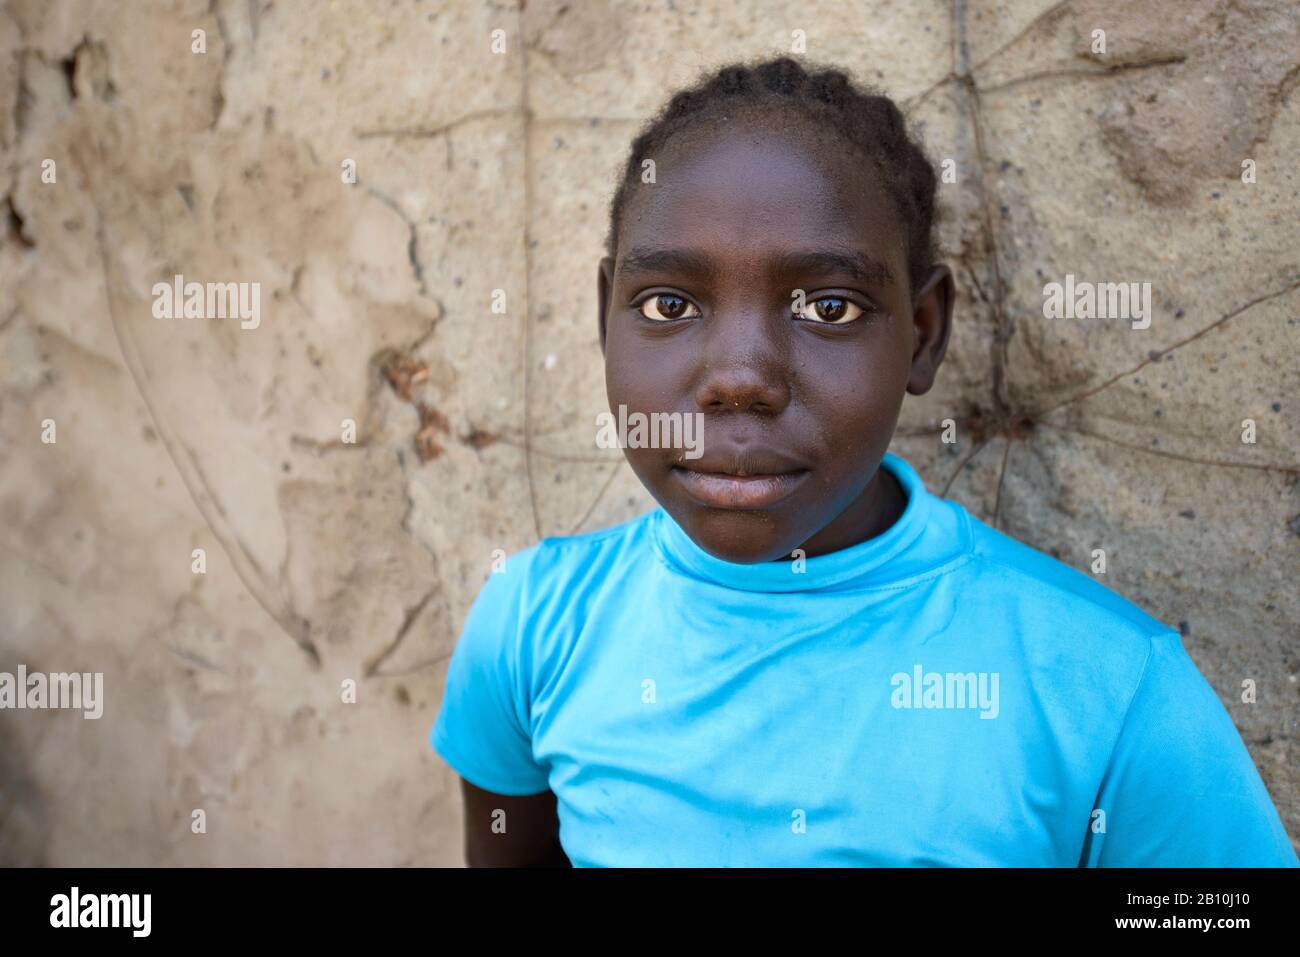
<point x="604" y="283"/>
<point x="931" y="321"/>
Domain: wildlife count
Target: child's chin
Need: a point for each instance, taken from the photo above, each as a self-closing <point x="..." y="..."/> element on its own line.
<point x="741" y="537"/>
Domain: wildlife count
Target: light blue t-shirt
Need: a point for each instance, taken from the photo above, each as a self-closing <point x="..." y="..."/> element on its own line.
<point x="938" y="695"/>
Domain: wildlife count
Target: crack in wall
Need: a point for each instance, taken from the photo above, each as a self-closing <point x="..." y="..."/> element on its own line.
<point x="191" y="473"/>
<point x="373" y="664"/>
<point x="984" y="428"/>
<point x="1066" y="73"/>
<point x="1003" y="420"/>
<point x="527" y="117"/>
<point x="427" y="132"/>
<point x="413" y="243"/>
<point x="227" y="49"/>
<point x="1003" y="323"/>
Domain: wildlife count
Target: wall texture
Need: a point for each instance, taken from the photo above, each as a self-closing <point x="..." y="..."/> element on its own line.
<point x="330" y="560"/>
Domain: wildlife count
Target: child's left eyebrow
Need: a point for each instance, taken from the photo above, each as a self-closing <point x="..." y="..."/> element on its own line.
<point x="825" y="262"/>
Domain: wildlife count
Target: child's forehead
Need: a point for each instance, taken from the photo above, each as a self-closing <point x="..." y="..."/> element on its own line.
<point x="781" y="189"/>
<point x="752" y="144"/>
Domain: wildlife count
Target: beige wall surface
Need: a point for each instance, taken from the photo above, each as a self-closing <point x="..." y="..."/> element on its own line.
<point x="329" y="560"/>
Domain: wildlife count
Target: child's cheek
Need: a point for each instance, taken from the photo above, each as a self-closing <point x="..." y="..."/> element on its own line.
<point x="646" y="380"/>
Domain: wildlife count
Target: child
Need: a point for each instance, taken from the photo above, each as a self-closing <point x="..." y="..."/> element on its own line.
<point x="804" y="658"/>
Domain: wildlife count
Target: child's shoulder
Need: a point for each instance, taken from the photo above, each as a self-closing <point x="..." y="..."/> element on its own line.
<point x="1034" y="576"/>
<point x="624" y="532"/>
<point x="569" y="560"/>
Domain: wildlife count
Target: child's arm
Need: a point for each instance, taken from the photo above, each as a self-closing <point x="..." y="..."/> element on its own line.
<point x="505" y="831"/>
<point x="483" y="732"/>
<point x="1181" y="790"/>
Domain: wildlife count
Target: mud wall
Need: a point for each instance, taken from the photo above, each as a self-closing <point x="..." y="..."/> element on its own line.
<point x="1168" y="157"/>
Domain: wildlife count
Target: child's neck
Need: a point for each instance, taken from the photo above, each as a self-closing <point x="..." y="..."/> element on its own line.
<point x="872" y="513"/>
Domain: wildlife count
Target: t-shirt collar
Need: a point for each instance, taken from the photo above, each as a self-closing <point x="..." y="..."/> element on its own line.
<point x="866" y="561"/>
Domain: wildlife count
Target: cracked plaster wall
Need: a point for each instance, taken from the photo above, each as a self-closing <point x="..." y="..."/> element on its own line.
<point x="477" y="172"/>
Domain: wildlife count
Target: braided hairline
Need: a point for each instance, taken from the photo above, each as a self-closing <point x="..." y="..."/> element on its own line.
<point x="868" y="119"/>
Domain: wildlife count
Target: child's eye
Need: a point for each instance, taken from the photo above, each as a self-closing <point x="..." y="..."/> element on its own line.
<point x="839" y="312"/>
<point x="669" y="307"/>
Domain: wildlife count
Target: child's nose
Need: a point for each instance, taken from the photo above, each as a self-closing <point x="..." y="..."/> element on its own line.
<point x="743" y="368"/>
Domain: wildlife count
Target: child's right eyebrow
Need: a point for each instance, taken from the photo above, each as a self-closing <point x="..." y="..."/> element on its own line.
<point x="820" y="263"/>
<point x="677" y="261"/>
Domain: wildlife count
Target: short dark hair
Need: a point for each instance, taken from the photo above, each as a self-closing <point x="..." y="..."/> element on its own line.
<point x="864" y="116"/>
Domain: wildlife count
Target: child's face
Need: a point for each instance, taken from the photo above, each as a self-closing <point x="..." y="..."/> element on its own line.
<point x="697" y="315"/>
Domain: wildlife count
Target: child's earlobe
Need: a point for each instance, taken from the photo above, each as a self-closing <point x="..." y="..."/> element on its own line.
<point x="932" y="308"/>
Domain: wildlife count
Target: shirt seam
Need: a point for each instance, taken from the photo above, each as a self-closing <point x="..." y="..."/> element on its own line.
<point x="1128" y="709"/>
<point x="597" y="535"/>
<point x="1091" y="602"/>
<point x="962" y="557"/>
<point x="522" y="638"/>
<point x="456" y="759"/>
<point x="844" y="585"/>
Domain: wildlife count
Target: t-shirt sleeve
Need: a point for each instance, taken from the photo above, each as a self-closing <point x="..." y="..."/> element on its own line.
<point x="482" y="728"/>
<point x="1181" y="790"/>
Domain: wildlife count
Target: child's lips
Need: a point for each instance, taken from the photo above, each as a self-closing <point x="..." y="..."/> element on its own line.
<point x="725" y="490"/>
